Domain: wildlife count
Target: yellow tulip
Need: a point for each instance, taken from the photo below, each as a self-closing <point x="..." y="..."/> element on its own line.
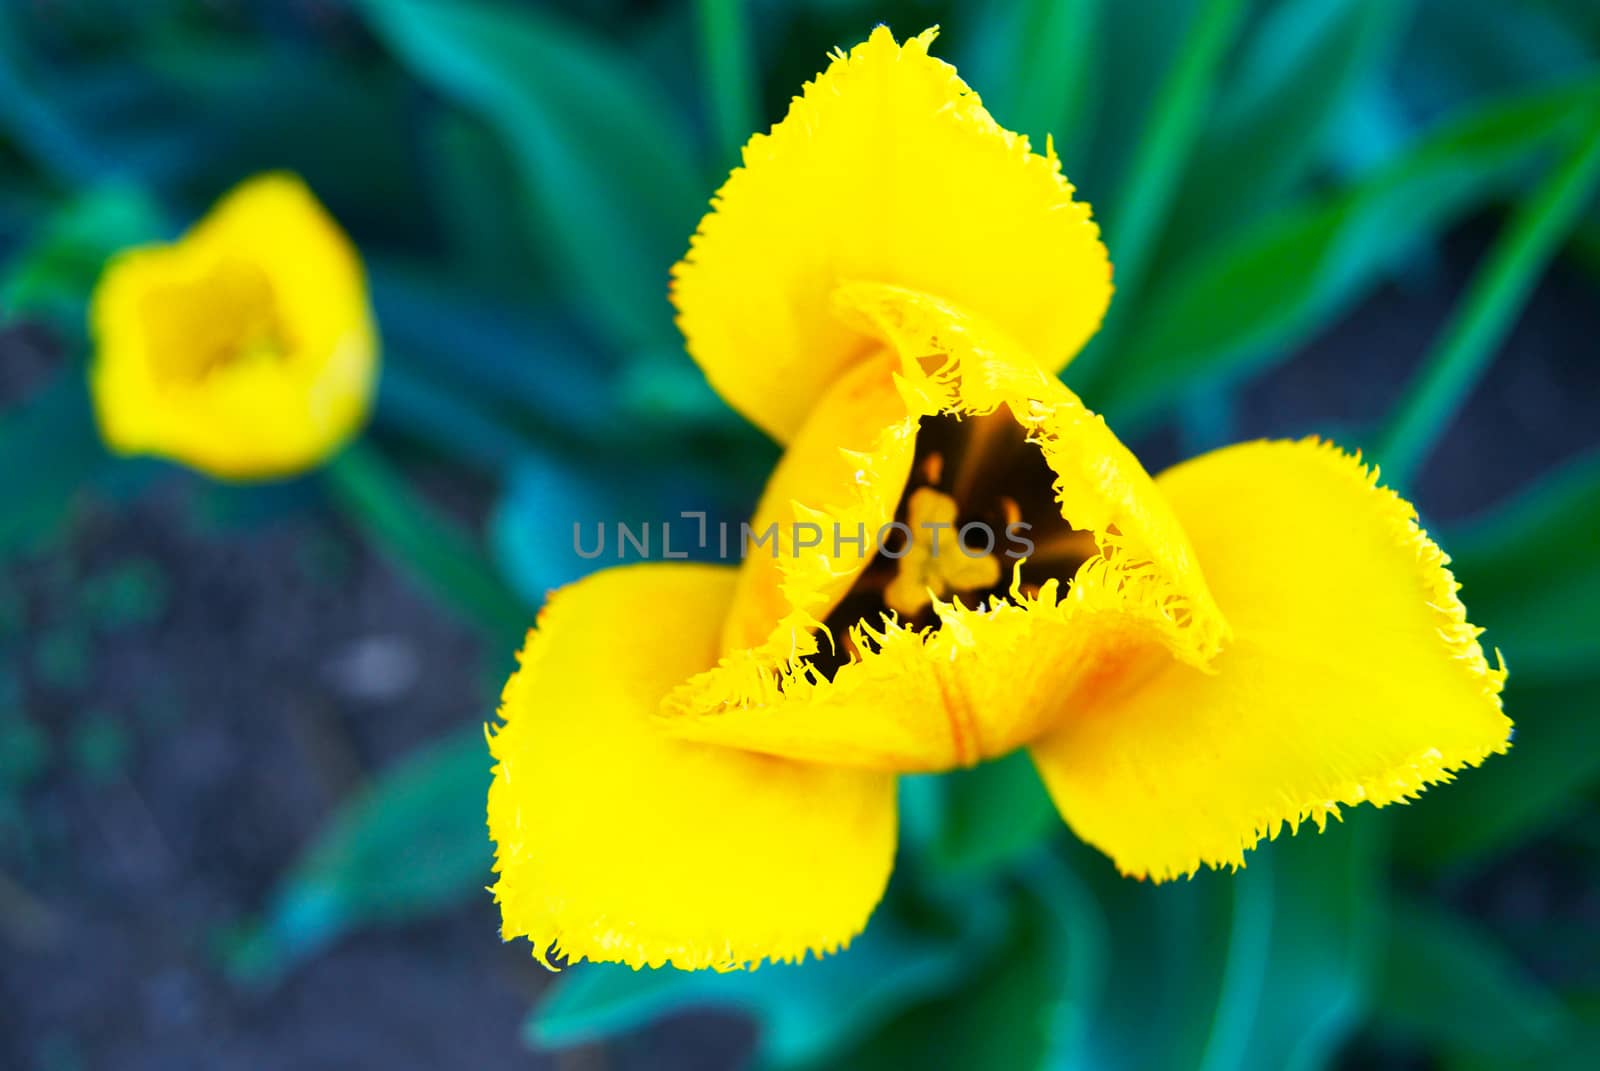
<point x="246" y="349"/>
<point x="697" y="763"/>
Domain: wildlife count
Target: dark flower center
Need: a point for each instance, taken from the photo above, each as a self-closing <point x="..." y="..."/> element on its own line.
<point x="980" y="498"/>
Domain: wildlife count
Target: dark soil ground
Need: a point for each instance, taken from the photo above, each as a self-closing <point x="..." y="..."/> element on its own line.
<point x="204" y="683"/>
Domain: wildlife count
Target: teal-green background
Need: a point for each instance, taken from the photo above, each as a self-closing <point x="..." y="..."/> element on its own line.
<point x="241" y="756"/>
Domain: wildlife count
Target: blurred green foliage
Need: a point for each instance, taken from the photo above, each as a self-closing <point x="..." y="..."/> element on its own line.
<point x="913" y="951"/>
<point x="404" y="847"/>
<point x="521" y="176"/>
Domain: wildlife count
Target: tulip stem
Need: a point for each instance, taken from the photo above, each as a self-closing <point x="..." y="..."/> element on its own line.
<point x="730" y="74"/>
<point x="417" y="539"/>
<point x="1488" y="311"/>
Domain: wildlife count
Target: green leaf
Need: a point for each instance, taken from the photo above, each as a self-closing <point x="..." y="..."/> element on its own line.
<point x="55" y="273"/>
<point x="1036" y="62"/>
<point x="1144" y="39"/>
<point x="607" y="168"/>
<point x="1023" y="1006"/>
<point x="33" y="120"/>
<point x="1530" y="575"/>
<point x="1143" y="205"/>
<point x="345" y="126"/>
<point x="1169" y="944"/>
<point x="805" y="1011"/>
<point x="1315" y="983"/>
<point x="1446" y="983"/>
<point x="55" y="431"/>
<point x="1486" y="313"/>
<point x="422" y="542"/>
<point x="1372" y="129"/>
<point x="1302" y="62"/>
<point x="1269" y="967"/>
<point x="1553" y="763"/>
<point x="729" y="63"/>
<point x="663" y="394"/>
<point x="409" y="846"/>
<point x="473" y="182"/>
<point x="414" y="406"/>
<point x="550" y="510"/>
<point x="991" y="816"/>
<point x="176" y="103"/>
<point x="1575" y="1053"/>
<point x="1466" y="49"/>
<point x="500" y="355"/>
<point x="1270" y="288"/>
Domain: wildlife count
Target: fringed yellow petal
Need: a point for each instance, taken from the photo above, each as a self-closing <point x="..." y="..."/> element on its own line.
<point x="953" y="361"/>
<point x="887" y="168"/>
<point x="1353" y="675"/>
<point x="989" y="679"/>
<point x="616" y="843"/>
<point x="843" y="473"/>
<point x="246" y="349"/>
<point x="983" y="683"/>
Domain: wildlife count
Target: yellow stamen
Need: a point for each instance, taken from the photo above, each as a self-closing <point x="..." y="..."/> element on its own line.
<point x="936" y="563"/>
